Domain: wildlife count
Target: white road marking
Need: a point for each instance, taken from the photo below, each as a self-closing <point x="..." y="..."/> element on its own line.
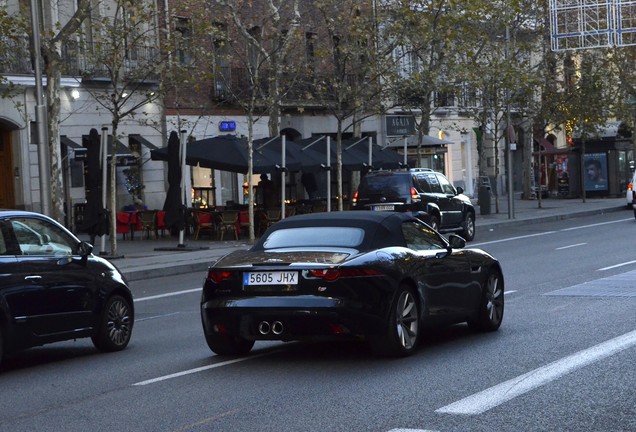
<point x="617" y="265"/>
<point x="202" y="368"/>
<point x="595" y="225"/>
<point x="156" y="316"/>
<point x="411" y="430"/>
<point x="494" y="396"/>
<point x="509" y="292"/>
<point x="571" y="246"/>
<point x="513" y="238"/>
<point x="170" y="294"/>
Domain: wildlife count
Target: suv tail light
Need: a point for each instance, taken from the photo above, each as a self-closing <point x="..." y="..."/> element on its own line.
<point x="354" y="200"/>
<point x="414" y="195"/>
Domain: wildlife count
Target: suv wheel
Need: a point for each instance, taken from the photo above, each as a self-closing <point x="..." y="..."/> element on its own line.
<point x="469" y="227"/>
<point x="434" y="223"/>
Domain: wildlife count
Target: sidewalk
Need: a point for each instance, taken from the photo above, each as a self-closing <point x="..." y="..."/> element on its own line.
<point x="139" y="259"/>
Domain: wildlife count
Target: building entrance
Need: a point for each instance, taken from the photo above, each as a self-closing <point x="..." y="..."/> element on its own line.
<point x="7" y="193"/>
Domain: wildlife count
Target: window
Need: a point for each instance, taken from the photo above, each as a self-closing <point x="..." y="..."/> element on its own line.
<point x="419" y="236"/>
<point x="38" y="237"/>
<point x="431" y="180"/>
<point x="221" y="70"/>
<point x="349" y="237"/>
<point x="183" y="28"/>
<point x="310" y="50"/>
<point x="447" y="188"/>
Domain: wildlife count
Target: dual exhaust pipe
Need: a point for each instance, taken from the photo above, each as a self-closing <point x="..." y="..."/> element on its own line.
<point x="276" y="327"/>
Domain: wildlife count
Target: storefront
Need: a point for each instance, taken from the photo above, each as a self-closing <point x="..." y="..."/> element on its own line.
<point x="607" y="158"/>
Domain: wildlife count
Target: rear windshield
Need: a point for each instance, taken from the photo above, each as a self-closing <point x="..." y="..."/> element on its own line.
<point x="393" y="184"/>
<point x="348" y="237"/>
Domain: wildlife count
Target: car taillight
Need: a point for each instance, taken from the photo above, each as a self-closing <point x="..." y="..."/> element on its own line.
<point x="217" y="276"/>
<point x="333" y="274"/>
<point x="354" y="200"/>
<point x="414" y="195"/>
<point x="629" y="187"/>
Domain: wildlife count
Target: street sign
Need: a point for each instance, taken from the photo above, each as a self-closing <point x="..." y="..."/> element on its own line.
<point x="399" y="125"/>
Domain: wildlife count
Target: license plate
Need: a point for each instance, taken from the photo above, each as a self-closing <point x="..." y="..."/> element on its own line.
<point x="271" y="278"/>
<point x="386" y="207"/>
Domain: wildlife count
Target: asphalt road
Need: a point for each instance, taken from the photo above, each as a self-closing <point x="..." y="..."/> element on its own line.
<point x="562" y="361"/>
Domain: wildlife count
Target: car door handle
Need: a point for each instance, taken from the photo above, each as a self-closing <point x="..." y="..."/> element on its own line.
<point x="34" y="277"/>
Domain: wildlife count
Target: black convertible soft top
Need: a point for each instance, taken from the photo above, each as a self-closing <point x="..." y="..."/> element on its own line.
<point x="382" y="229"/>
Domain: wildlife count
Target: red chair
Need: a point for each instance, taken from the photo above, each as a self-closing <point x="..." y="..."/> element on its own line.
<point x="244" y="222"/>
<point x="161" y="222"/>
<point x="204" y="221"/>
<point x="125" y="223"/>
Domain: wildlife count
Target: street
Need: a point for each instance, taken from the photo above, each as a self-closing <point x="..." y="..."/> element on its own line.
<point x="562" y="360"/>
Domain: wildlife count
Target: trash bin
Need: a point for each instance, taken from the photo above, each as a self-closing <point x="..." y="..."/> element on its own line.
<point x="78" y="217"/>
<point x="484" y="200"/>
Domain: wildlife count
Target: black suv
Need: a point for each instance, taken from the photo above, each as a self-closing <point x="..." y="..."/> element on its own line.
<point x="425" y="193"/>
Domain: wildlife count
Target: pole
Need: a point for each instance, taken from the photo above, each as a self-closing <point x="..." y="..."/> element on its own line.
<point x="328" y="173"/>
<point x="370" y="153"/>
<point x="405" y="158"/>
<point x="104" y="165"/>
<point x="44" y="164"/>
<point x="182" y="148"/>
<point x="282" y="179"/>
<point x="511" y="202"/>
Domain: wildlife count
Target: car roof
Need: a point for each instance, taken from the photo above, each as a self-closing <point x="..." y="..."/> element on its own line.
<point x="382" y="229"/>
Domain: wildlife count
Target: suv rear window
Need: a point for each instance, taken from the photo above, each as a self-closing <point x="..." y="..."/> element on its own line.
<point x="390" y="185"/>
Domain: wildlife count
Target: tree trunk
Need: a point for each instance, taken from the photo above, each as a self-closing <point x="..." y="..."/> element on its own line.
<point x="52" y="66"/>
<point x="112" y="206"/>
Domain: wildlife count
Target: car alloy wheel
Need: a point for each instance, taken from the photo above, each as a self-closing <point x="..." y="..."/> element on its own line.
<point x="491" y="308"/>
<point x="401" y="336"/>
<point x="406" y="320"/>
<point x="115" y="326"/>
<point x="434" y="223"/>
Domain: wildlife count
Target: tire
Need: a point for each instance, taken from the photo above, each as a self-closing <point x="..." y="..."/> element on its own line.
<point x="434" y="223"/>
<point x="115" y="325"/>
<point x="1" y="346"/>
<point x="402" y="330"/>
<point x="228" y="345"/>
<point x="489" y="314"/>
<point x="469" y="227"/>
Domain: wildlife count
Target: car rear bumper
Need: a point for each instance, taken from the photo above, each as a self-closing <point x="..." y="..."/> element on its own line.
<point x="289" y="318"/>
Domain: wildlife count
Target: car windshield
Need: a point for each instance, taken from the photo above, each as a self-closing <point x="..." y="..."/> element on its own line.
<point x="349" y="237"/>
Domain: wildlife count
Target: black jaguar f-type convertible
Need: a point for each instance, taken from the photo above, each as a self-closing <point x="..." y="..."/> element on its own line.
<point x="362" y="275"/>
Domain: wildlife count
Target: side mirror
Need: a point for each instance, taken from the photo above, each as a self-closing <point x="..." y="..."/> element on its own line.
<point x="456" y="242"/>
<point x="459" y="189"/>
<point x="85" y="249"/>
<point x="45" y="239"/>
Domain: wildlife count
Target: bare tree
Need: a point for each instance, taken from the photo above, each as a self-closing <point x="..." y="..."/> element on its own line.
<point x="124" y="49"/>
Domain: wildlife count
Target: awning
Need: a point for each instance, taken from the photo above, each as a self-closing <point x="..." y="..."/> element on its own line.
<point x="141" y="140"/>
<point x="79" y="152"/>
<point x="411" y="141"/>
<point x="549" y="148"/>
<point x="122" y="153"/>
<point x="69" y="142"/>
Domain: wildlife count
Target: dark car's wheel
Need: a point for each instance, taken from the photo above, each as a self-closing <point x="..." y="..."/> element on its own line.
<point x="491" y="306"/>
<point x="228" y="344"/>
<point x="469" y="227"/>
<point x="433" y="222"/>
<point x="115" y="325"/>
<point x="402" y="333"/>
<point x="1" y="346"/>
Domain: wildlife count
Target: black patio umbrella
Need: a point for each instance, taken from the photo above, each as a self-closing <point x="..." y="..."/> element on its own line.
<point x="296" y="159"/>
<point x="95" y="215"/>
<point x="381" y="158"/>
<point x="228" y="153"/>
<point x="175" y="215"/>
<point x="351" y="160"/>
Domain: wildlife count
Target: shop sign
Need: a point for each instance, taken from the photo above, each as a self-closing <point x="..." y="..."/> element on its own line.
<point x="399" y="125"/>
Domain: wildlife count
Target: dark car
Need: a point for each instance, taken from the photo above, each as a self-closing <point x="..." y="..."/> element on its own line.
<point x="359" y="275"/>
<point x="52" y="288"/>
<point x="421" y="192"/>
